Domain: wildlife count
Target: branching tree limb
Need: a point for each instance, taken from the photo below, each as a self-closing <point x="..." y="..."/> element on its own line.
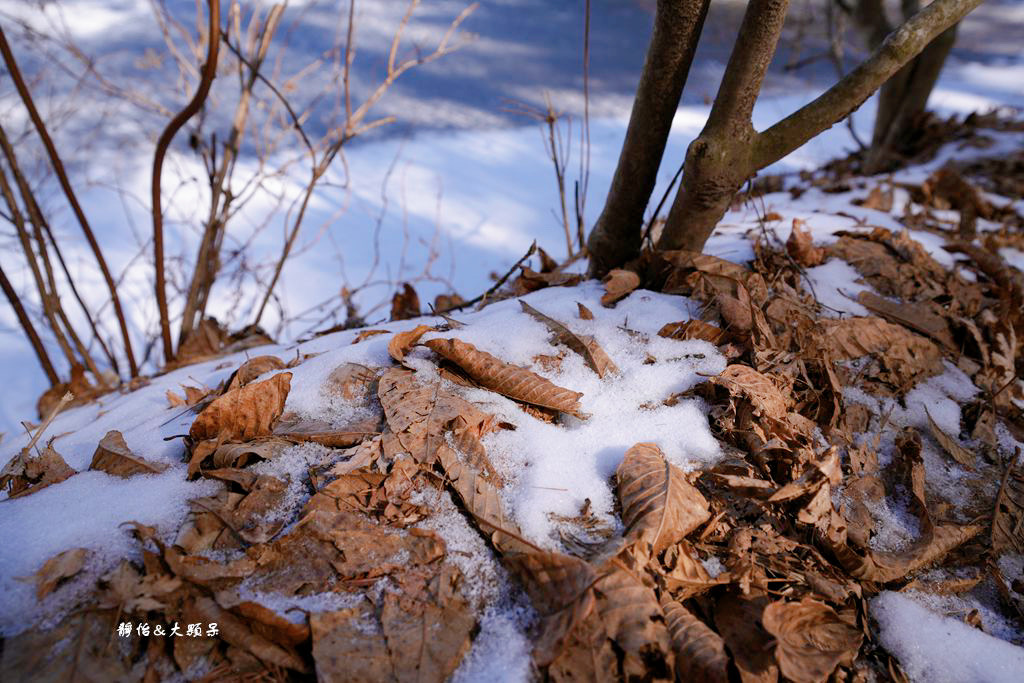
<point x="206" y="80"/>
<point x="616" y="235"/>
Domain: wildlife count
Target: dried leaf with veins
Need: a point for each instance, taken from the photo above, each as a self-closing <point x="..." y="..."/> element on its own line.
<point x="481" y="499"/>
<point x="684" y="575"/>
<point x="950" y="444"/>
<point x="801" y="248"/>
<point x="419" y="413"/>
<point x="1008" y="520"/>
<point x="252" y="369"/>
<point x="237" y="632"/>
<point x="633" y="619"/>
<point x="618" y="284"/>
<point x="402" y="342"/>
<point x="428" y="637"/>
<point x="700" y="652"/>
<point x="743" y="380"/>
<point x="349" y="645"/>
<point x="56" y="570"/>
<point x="560" y="589"/>
<point x="244" y="413"/>
<point x="693" y="329"/>
<point x="114" y="457"/>
<point x="584" y="345"/>
<point x="812" y="640"/>
<point x="738" y="620"/>
<point x="506" y="379"/>
<point x="659" y="506"/>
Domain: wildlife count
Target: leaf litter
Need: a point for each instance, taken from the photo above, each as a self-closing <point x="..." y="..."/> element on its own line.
<point x="692" y="472"/>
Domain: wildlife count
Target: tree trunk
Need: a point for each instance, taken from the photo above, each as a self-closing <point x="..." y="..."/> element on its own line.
<point x="616" y="235"/>
<point x="720" y="160"/>
<point x="902" y="101"/>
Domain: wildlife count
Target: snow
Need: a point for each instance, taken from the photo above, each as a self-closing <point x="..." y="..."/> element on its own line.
<point x="836" y="285"/>
<point x="85" y="511"/>
<point x="938" y="649"/>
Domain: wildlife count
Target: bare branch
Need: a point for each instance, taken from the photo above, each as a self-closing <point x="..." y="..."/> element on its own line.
<point x="58" y="167"/>
<point x="840" y="100"/>
<point x="29" y="329"/>
<point x="209" y="73"/>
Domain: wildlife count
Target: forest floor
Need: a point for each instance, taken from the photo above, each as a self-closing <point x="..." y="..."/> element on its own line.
<point x="796" y="456"/>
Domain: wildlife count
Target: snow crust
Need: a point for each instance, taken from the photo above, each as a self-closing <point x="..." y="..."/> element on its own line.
<point x="938" y="649"/>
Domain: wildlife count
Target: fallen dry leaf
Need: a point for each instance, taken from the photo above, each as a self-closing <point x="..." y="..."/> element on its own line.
<point x="618" y="284"/>
<point x="812" y="640"/>
<point x="506" y="379"/>
<point x="700" y="652"/>
<point x="585" y="346"/>
<point x="633" y="619"/>
<point x="113" y="457"/>
<point x="57" y="569"/>
<point x="585" y="313"/>
<point x="693" y="329"/>
<point x="949" y="444"/>
<point x="801" y="248"/>
<point x="402" y="342"/>
<point x="405" y="304"/>
<point x="659" y="506"/>
<point x="25" y="474"/>
<point x="244" y="413"/>
<point x="348" y="645"/>
<point x="762" y="393"/>
<point x="738" y="620"/>
<point x="1008" y="520"/>
<point x="253" y="368"/>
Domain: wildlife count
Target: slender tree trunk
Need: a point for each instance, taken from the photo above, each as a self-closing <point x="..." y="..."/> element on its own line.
<point x="616" y="235"/>
<point x="729" y="151"/>
<point x="719" y="160"/>
<point x="902" y="101"/>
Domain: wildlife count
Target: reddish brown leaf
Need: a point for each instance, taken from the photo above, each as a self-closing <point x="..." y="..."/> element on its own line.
<point x="693" y="329"/>
<point x="659" y="507"/>
<point x="113" y="457"/>
<point x="801" y="248"/>
<point x="405" y="304"/>
<point x="506" y="379"/>
<point x="617" y="285"/>
<point x="1008" y="520"/>
<point x="253" y="368"/>
<point x="700" y="652"/>
<point x="402" y="342"/>
<point x="812" y="640"/>
<point x="58" y="569"/>
<point x="244" y="413"/>
<point x="585" y="313"/>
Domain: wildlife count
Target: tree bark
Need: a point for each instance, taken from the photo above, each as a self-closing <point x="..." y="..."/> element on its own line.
<point x="719" y="160"/>
<point x="616" y="235"/>
<point x="724" y="156"/>
<point x="902" y="101"/>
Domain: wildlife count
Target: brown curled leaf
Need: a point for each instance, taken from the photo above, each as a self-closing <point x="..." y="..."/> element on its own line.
<point x="506" y="379"/>
<point x="811" y="639"/>
<point x="114" y="457"/>
<point x="584" y="345"/>
<point x="253" y="368"/>
<point x="402" y="342"/>
<point x="618" y="284"/>
<point x="57" y="569"/>
<point x="1008" y="521"/>
<point x="700" y="652"/>
<point x="244" y="413"/>
<point x="800" y="247"/>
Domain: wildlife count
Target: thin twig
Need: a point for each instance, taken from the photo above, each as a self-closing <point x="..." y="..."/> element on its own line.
<point x="497" y="285"/>
<point x="29" y="329"/>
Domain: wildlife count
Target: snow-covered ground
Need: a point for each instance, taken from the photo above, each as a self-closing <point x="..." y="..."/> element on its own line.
<point x="469" y="202"/>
